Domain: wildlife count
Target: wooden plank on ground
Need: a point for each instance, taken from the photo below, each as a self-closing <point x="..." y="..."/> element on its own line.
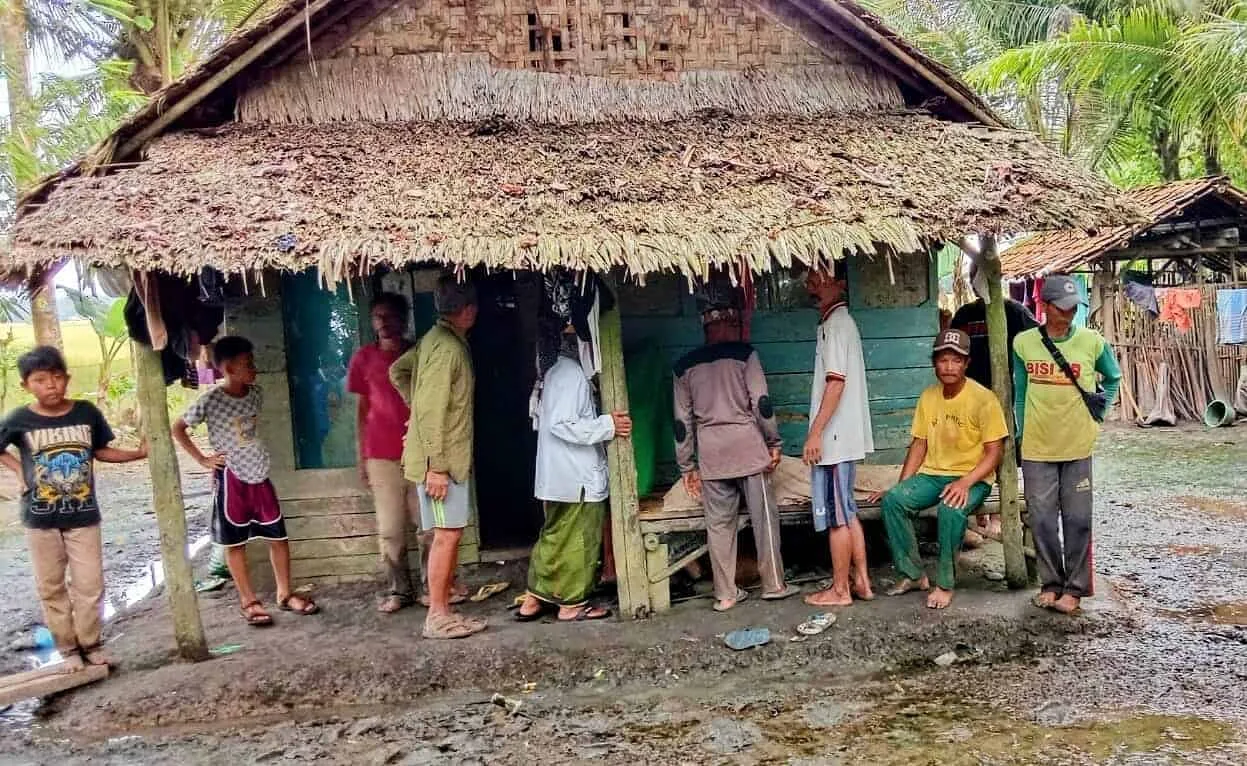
<point x="40" y="684"/>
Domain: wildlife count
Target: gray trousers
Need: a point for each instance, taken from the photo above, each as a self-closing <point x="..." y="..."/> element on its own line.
<point x="721" y="501"/>
<point x="1058" y="500"/>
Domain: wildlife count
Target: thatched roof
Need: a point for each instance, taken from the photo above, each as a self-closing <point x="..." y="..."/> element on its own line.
<point x="679" y="195"/>
<point x="1054" y="252"/>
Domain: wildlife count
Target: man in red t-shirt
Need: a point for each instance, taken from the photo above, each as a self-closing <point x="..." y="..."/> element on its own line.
<point x="381" y="423"/>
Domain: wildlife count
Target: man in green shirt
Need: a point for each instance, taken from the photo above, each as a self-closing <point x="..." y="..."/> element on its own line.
<point x="436" y="380"/>
<point x="1058" y="429"/>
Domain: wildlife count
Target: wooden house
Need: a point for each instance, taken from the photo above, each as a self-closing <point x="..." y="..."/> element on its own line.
<point x="1190" y="239"/>
<point x="337" y="147"/>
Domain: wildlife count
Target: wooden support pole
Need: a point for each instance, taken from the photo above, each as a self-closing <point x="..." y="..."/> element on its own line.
<point x="1002" y="384"/>
<point x="188" y="629"/>
<point x="629" y="546"/>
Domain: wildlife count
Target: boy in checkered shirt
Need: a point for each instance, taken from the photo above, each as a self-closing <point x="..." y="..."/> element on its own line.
<point x="244" y="504"/>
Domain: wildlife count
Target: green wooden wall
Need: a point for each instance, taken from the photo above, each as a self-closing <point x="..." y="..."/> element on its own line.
<point x="896" y="339"/>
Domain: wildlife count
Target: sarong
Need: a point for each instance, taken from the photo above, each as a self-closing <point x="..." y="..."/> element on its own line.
<point x="564" y="561"/>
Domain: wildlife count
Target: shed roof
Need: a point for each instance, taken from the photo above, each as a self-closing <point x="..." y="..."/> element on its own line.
<point x="716" y="189"/>
<point x="1053" y="252"/>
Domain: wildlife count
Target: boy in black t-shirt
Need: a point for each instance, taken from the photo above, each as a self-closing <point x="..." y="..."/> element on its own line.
<point x="58" y="439"/>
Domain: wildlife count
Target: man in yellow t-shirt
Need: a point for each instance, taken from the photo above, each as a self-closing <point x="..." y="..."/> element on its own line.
<point x="958" y="438"/>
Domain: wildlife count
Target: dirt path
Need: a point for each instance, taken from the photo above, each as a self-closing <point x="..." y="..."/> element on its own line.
<point x="1157" y="676"/>
<point x="131" y="542"/>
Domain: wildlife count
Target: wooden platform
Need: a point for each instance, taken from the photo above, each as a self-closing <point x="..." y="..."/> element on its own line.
<point x="47" y="681"/>
<point x="655" y="519"/>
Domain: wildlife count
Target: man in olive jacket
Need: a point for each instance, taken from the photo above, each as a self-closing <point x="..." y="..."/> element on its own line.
<point x="435" y="378"/>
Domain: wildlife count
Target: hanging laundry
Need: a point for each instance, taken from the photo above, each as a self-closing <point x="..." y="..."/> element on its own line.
<point x="1175" y="305"/>
<point x="1138" y="289"/>
<point x="1232" y="316"/>
<point x="1036" y="304"/>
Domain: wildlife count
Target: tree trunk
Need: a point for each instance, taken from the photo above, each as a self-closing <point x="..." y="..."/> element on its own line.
<point x="188" y="631"/>
<point x="1212" y="153"/>
<point x="1002" y="385"/>
<point x="16" y="54"/>
<point x="1168" y="146"/>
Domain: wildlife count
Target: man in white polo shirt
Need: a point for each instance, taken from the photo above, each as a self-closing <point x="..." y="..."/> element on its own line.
<point x="840" y="435"/>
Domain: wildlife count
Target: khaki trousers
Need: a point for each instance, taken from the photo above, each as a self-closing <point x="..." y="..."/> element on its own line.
<point x="70" y="609"/>
<point x="721" y="502"/>
<point x="398" y="510"/>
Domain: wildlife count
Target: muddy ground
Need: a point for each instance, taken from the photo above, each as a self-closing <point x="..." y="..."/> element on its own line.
<point x="1155" y="673"/>
<point x="131" y="542"/>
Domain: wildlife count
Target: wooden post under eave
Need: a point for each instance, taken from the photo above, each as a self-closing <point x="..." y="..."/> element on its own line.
<point x="188" y="629"/>
<point x="633" y="582"/>
<point x="1002" y="384"/>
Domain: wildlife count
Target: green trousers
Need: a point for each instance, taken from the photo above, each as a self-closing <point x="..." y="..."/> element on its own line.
<point x="903" y="503"/>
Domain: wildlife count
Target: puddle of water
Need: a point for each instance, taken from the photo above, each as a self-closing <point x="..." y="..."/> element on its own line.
<point x="1229" y="613"/>
<point x="1214" y="506"/>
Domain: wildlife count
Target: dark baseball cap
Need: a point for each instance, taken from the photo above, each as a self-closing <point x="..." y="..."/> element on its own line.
<point x="952" y="340"/>
<point x="1061" y="291"/>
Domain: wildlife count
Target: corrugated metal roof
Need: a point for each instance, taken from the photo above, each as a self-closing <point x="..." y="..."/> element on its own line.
<point x="1053" y="252"/>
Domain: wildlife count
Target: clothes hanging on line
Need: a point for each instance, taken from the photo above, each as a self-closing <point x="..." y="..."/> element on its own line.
<point x="1175" y="304"/>
<point x="1232" y="316"/>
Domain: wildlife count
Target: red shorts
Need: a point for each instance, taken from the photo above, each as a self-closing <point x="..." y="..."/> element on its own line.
<point x="242" y="511"/>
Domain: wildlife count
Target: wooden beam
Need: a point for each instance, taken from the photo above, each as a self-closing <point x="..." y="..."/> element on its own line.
<point x="208" y="86"/>
<point x="46" y="682"/>
<point x="1002" y="385"/>
<point x="188" y="631"/>
<point x="629" y="546"/>
<point x="346" y="10"/>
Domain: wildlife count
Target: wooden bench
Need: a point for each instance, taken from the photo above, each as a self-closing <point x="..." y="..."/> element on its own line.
<point x="660" y="528"/>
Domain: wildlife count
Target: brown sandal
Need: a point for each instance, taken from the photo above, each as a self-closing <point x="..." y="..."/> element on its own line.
<point x="254" y="615"/>
<point x="451" y="626"/>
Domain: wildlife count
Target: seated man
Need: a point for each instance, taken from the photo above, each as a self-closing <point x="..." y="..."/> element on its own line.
<point x="958" y="438"/>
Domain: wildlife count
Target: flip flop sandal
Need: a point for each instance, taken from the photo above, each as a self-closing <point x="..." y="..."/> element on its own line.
<point x="259" y="619"/>
<point x="543" y="609"/>
<point x="741" y="595"/>
<point x="747" y="638"/>
<point x="586" y="613"/>
<point x="816" y="623"/>
<point x="787" y="592"/>
<point x="393" y="603"/>
<point x="451" y="626"/>
<point x="485" y="591"/>
<point x="897" y="590"/>
<point x="309" y="606"/>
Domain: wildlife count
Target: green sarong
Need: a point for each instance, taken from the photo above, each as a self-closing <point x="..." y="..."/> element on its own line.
<point x="564" y="563"/>
<point x="905" y="501"/>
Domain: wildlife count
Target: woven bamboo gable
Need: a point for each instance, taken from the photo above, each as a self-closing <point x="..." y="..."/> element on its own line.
<point x="565" y="61"/>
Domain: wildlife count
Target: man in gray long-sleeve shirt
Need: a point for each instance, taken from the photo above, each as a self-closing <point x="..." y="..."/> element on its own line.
<point x="727" y="442"/>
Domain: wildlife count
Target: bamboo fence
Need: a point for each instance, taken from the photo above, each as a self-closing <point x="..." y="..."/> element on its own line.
<point x="1184" y="369"/>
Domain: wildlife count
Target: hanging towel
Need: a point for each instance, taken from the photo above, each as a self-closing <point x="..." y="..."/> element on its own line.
<point x="1143" y="296"/>
<point x="1175" y="303"/>
<point x="1232" y="316"/>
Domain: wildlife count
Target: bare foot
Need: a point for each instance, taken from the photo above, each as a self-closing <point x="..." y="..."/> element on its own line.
<point x="993" y="525"/>
<point x="392" y="603"/>
<point x="939" y="599"/>
<point x="98" y="657"/>
<point x="862" y="589"/>
<point x="531" y="606"/>
<point x="1067" y="604"/>
<point x="72" y="662"/>
<point x="906" y="585"/>
<point x="829" y="597"/>
<point x="1044" y="600"/>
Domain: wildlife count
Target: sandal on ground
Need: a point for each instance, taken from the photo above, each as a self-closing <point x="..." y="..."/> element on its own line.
<point x="1038" y="602"/>
<point x="309" y="606"/>
<point x="741" y="595"/>
<point x="393" y="602"/>
<point x="486" y="591"/>
<point x="747" y="638"/>
<point x="588" y="612"/>
<point x="907" y="586"/>
<point x="816" y="623"/>
<point x="254" y="615"/>
<point x="787" y="592"/>
<point x="543" y="609"/>
<point x="451" y="626"/>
